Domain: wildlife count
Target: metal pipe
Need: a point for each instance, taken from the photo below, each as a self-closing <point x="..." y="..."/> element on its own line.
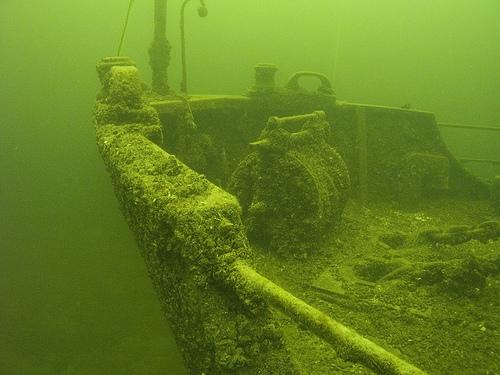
<point x="347" y="343"/>
<point x="471" y="160"/>
<point x="160" y="26"/>
<point x="202" y="12"/>
<point x="275" y="121"/>
<point x="362" y="145"/>
<point x="462" y="126"/>
<point x="159" y="51"/>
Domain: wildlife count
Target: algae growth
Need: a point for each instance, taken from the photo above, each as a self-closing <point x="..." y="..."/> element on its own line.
<point x="393" y="267"/>
<point x="404" y="256"/>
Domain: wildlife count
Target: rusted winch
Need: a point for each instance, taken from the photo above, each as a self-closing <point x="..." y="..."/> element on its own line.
<point x="293" y="186"/>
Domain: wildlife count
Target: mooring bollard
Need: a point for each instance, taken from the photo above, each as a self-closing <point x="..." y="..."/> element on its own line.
<point x="264" y="79"/>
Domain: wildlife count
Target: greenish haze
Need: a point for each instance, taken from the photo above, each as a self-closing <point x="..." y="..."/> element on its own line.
<point x="74" y="293"/>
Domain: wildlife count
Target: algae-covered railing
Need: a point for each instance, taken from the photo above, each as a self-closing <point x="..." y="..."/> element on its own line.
<point x="192" y="239"/>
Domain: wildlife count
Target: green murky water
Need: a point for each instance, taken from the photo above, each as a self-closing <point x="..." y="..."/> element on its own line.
<point x="74" y="293"/>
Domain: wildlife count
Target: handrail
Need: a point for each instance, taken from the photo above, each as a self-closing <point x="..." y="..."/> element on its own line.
<point x="463" y="126"/>
<point x="473" y="160"/>
<point x="472" y="127"/>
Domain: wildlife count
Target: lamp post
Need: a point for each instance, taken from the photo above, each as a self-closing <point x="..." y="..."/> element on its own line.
<point x="202" y="12"/>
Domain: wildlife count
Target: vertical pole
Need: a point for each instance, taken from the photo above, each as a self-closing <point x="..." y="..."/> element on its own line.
<point x="202" y="12"/>
<point x="362" y="154"/>
<point x="183" y="50"/>
<point x="159" y="51"/>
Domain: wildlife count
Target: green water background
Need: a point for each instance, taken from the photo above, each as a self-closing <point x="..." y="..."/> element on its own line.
<point x="74" y="293"/>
